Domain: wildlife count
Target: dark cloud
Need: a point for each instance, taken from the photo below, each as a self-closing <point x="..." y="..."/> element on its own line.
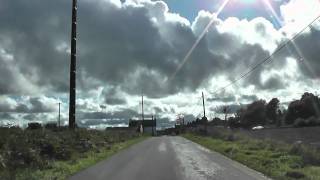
<point x="222" y="99"/>
<point x="274" y="83"/>
<point x="158" y="110"/>
<point x="114" y="97"/>
<point x="121" y="46"/>
<point x="129" y="49"/>
<point x="6" y="116"/>
<point x="309" y="47"/>
<point x="121" y="114"/>
<point x="232" y="108"/>
<point x="31" y="105"/>
<point x="249" y="97"/>
<point x="30" y="117"/>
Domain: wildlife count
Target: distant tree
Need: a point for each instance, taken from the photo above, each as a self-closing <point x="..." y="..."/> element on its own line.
<point x="51" y="126"/>
<point x="254" y="114"/>
<point x="293" y="112"/>
<point x="308" y="106"/>
<point x="217" y="122"/>
<point x="234" y="122"/>
<point x="272" y="110"/>
<point x="33" y="126"/>
<point x="280" y="118"/>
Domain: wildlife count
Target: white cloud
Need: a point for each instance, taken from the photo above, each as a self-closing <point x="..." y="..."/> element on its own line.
<point x="298" y="13"/>
<point x="138" y="45"/>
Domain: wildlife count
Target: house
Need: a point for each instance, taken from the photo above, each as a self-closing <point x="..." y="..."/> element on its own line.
<point x="144" y="126"/>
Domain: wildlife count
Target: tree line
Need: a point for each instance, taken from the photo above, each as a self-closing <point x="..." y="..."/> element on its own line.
<point x="299" y="113"/>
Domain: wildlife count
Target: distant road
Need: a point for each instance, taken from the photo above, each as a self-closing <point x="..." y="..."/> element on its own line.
<point x="168" y="158"/>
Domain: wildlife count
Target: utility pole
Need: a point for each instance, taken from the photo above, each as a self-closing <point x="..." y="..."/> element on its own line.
<point x="155" y="124"/>
<point x="204" y="119"/>
<point x="152" y="120"/>
<point x="72" y="100"/>
<point x="142" y="113"/>
<point x="204" y="109"/>
<point x="59" y="124"/>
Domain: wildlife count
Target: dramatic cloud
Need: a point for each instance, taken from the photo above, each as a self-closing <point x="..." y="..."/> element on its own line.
<point x="29" y="105"/>
<point x="126" y="48"/>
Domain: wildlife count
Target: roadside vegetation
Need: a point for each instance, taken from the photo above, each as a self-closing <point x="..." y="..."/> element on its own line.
<point x="276" y="160"/>
<point x="304" y="112"/>
<point x="56" y="154"/>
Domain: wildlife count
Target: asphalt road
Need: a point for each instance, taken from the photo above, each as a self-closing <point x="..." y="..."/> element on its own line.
<point x="168" y="158"/>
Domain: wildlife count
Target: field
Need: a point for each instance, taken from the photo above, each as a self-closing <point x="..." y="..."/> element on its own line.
<point x="308" y="136"/>
<point x="52" y="154"/>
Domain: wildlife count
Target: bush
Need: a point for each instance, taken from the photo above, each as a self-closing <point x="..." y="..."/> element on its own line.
<point x="309" y="155"/>
<point x="52" y="126"/>
<point x="295" y="175"/>
<point x="33" y="149"/>
<point x="33" y="126"/>
<point x="300" y="123"/>
<point x="310" y="122"/>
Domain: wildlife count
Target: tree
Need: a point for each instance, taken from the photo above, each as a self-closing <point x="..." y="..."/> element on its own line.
<point x="254" y="114"/>
<point x="308" y="106"/>
<point x="272" y="110"/>
<point x="225" y="110"/>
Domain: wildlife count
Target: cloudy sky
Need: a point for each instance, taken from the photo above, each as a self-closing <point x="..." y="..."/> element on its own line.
<point x="164" y="49"/>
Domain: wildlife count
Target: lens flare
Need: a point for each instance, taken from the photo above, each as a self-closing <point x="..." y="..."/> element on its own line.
<point x="248" y="1"/>
<point x="280" y="23"/>
<point x="273" y="12"/>
<point x="185" y="59"/>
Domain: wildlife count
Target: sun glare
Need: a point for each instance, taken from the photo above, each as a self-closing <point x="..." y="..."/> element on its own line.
<point x="248" y="1"/>
<point x="185" y="59"/>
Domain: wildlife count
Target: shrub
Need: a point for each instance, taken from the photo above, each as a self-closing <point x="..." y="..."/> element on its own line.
<point x="295" y="175"/>
<point x="34" y="149"/>
<point x="311" y="121"/>
<point x="309" y="155"/>
<point x="33" y="126"/>
<point x="300" y="123"/>
<point x="52" y="126"/>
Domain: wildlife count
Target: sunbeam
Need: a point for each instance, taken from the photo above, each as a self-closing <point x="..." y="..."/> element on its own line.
<point x="185" y="59"/>
<point x="273" y="13"/>
<point x="279" y="22"/>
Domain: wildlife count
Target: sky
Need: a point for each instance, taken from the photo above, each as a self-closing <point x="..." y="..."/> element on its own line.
<point x="163" y="49"/>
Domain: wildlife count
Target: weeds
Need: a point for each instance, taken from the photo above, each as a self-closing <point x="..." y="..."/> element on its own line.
<point x="25" y="151"/>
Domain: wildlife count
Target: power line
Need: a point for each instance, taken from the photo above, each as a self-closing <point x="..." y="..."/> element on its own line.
<point x="269" y="58"/>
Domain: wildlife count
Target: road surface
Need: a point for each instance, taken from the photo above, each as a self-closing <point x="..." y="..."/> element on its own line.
<point x="168" y="158"/>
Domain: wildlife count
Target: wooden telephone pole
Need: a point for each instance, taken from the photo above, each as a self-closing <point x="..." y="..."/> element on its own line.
<point x="204" y="119"/>
<point x="152" y="120"/>
<point x="204" y="108"/>
<point x="142" y="113"/>
<point x="72" y="100"/>
<point x="59" y="122"/>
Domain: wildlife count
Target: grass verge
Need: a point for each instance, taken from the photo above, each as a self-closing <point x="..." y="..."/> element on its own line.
<point x="62" y="169"/>
<point x="275" y="160"/>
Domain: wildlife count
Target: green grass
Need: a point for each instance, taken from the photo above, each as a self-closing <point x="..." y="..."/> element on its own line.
<point x="61" y="170"/>
<point x="274" y="160"/>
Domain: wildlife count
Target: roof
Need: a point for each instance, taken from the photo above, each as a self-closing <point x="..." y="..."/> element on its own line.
<point x="145" y="123"/>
